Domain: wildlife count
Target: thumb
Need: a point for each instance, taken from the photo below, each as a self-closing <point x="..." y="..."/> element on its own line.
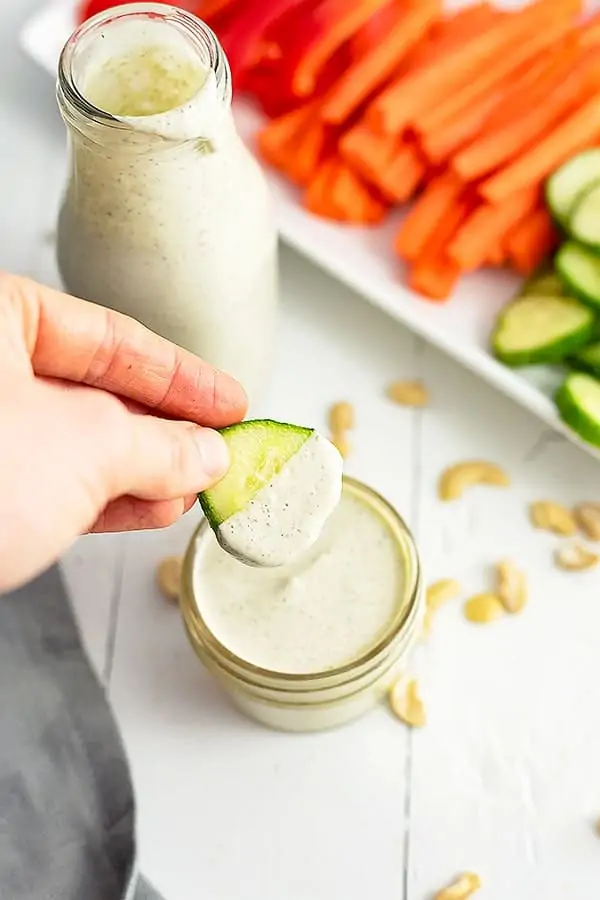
<point x="159" y="459"/>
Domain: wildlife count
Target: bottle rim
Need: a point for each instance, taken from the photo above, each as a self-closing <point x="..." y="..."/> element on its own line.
<point x="73" y="101"/>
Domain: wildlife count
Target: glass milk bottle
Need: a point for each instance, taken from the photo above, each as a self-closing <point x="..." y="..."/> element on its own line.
<point x="166" y="216"/>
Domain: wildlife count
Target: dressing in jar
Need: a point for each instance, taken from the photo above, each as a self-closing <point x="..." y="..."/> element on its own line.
<point x="167" y="216"/>
<point x="316" y="643"/>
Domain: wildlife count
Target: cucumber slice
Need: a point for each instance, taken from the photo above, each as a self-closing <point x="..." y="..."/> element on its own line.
<point x="578" y="401"/>
<point x="533" y="330"/>
<point x="568" y="183"/>
<point x="584" y="221"/>
<point x="579" y="270"/>
<point x="283" y="484"/>
<point x="258" y="449"/>
<point x="587" y="359"/>
<point x="546" y="284"/>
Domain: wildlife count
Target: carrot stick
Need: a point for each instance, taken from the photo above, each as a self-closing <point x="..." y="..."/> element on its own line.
<point x="435" y="280"/>
<point x="487" y="226"/>
<point x="487" y="80"/>
<point x="439" y="196"/>
<point x="351" y="195"/>
<point x="366" y="152"/>
<point x="347" y="23"/>
<point x="531" y="241"/>
<point x="440" y="145"/>
<point x="498" y="146"/>
<point x="458" y="28"/>
<point x="577" y="132"/>
<point x="368" y="73"/>
<point x="496" y="256"/>
<point x="304" y="158"/>
<point x="425" y="87"/>
<point x="275" y="140"/>
<point x="317" y="197"/>
<point x="399" y="180"/>
<point x="433" y="273"/>
<point x="590" y="32"/>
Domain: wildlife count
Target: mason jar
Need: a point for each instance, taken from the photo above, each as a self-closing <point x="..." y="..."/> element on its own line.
<point x="278" y="677"/>
<point x="167" y="216"/>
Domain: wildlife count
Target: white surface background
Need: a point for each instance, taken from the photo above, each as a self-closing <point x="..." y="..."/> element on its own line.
<point x="505" y="777"/>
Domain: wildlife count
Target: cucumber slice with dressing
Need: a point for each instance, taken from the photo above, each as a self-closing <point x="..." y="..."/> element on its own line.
<point x="543" y="284"/>
<point x="534" y="330"/>
<point x="283" y="483"/>
<point x="584" y="221"/>
<point x="579" y="270"/>
<point x="258" y="450"/>
<point x="566" y="186"/>
<point x="578" y="401"/>
<point x="587" y="359"/>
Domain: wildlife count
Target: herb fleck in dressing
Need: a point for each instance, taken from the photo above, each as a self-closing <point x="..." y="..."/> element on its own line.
<point x="315" y="614"/>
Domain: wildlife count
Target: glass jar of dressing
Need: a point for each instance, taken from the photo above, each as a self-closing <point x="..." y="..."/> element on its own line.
<point x="167" y="216"/>
<point x="317" y="643"/>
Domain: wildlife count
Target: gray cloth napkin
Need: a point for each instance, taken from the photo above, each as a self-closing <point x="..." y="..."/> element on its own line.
<point x="67" y="811"/>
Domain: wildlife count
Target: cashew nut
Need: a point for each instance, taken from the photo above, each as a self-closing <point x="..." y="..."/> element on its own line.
<point x="456" y="479"/>
<point x="555" y="517"/>
<point x="339" y="440"/>
<point x="440" y="592"/>
<point x="511" y="586"/>
<point x="461" y="889"/>
<point x="408" y="393"/>
<point x="168" y="577"/>
<point x="483" y="608"/>
<point x="587" y="516"/>
<point x="576" y="558"/>
<point x="406" y="704"/>
<point x="341" y="417"/>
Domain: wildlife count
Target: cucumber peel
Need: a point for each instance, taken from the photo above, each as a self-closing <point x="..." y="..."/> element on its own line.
<point x="541" y="329"/>
<point x="587" y="359"/>
<point x="569" y="182"/>
<point x="584" y="220"/>
<point x="258" y="449"/>
<point x="578" y="401"/>
<point x="579" y="270"/>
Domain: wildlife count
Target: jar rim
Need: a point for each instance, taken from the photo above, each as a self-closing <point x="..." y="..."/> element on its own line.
<point x="404" y="621"/>
<point x="204" y="37"/>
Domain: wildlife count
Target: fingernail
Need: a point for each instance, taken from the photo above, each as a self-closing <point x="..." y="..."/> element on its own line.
<point x="213" y="452"/>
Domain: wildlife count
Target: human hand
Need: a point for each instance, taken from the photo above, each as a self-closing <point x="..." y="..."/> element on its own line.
<point x="99" y="425"/>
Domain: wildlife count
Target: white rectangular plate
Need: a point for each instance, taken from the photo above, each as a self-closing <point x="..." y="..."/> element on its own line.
<point x="364" y="260"/>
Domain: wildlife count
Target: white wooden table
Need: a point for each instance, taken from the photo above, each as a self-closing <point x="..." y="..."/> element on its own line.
<point x="505" y="778"/>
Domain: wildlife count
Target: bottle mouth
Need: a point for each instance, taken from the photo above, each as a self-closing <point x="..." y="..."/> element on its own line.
<point x="153" y="23"/>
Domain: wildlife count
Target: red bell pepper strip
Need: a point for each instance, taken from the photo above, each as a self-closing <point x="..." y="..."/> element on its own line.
<point x="241" y="39"/>
<point x="90" y="8"/>
<point x="340" y="22"/>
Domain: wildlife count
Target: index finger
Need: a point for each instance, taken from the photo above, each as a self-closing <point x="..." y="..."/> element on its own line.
<point x="79" y="341"/>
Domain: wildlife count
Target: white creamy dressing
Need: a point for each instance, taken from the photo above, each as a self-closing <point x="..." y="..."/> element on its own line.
<point x="167" y="216"/>
<point x="288" y="514"/>
<point x="320" y="612"/>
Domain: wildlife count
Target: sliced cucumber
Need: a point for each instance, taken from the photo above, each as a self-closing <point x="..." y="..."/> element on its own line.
<point x="534" y="330"/>
<point x="578" y="401"/>
<point x="259" y="449"/>
<point x="587" y="359"/>
<point x="568" y="183"/>
<point x="579" y="270"/>
<point x="584" y="221"/>
<point x="543" y="284"/>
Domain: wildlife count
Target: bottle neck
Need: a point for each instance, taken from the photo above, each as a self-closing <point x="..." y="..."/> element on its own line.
<point x="107" y="39"/>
